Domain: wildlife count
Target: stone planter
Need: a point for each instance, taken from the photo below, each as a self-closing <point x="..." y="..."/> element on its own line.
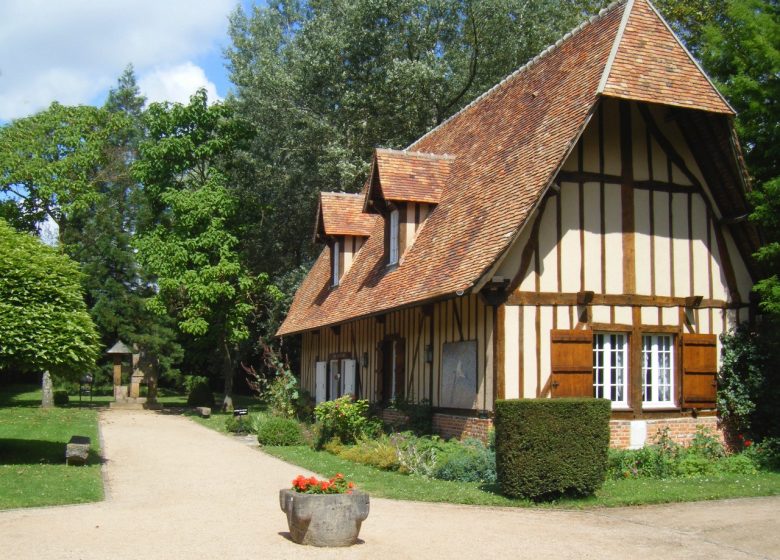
<point x="324" y="519"/>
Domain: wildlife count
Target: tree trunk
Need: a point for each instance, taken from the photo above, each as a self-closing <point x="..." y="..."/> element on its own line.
<point x="47" y="401"/>
<point x="227" y="371"/>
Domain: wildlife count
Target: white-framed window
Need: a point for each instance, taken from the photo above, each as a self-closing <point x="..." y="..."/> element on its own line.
<point x="610" y="368"/>
<point x="657" y="370"/>
<point x="393" y="237"/>
<point x="336" y="255"/>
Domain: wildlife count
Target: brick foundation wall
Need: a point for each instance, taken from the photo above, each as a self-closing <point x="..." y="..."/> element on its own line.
<point x="392" y="416"/>
<point x="681" y="430"/>
<point x="452" y="426"/>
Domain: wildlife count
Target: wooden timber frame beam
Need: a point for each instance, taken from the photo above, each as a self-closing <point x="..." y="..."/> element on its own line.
<point x="627" y="300"/>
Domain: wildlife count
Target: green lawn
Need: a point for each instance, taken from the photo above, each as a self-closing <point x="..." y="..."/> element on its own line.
<point x="32" y="452"/>
<point x="628" y="492"/>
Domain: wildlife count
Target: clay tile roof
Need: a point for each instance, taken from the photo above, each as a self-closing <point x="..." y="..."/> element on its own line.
<point x="506" y="148"/>
<point x="342" y="214"/>
<point x="412" y="176"/>
<point x="650" y="64"/>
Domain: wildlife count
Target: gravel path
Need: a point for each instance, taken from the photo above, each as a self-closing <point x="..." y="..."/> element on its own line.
<point x="178" y="490"/>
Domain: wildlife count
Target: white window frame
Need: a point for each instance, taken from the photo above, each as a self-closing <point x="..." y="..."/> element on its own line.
<point x="658" y="371"/>
<point x="394" y="230"/>
<point x="610" y="377"/>
<point x="336" y="255"/>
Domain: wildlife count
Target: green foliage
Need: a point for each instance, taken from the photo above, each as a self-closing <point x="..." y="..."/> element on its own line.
<point x="470" y="461"/>
<point x="749" y="381"/>
<point x="238" y="424"/>
<point x="198" y="391"/>
<point x="274" y="430"/>
<point x="546" y="448"/>
<point x="189" y="238"/>
<point x="765" y="454"/>
<point x="326" y="82"/>
<point x="52" y="162"/>
<point x="345" y="419"/>
<point x="61" y="397"/>
<point x="280" y="390"/>
<point x="380" y="453"/>
<point x="419" y="416"/>
<point x="664" y="459"/>
<point x="44" y="324"/>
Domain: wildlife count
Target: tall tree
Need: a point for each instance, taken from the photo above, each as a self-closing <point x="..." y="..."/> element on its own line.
<point x="44" y="324"/>
<point x="190" y="242"/>
<point x="326" y="82"/>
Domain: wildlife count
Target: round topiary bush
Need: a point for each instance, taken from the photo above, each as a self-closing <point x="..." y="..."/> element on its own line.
<point x="200" y="395"/>
<point x="61" y="398"/>
<point x="279" y="431"/>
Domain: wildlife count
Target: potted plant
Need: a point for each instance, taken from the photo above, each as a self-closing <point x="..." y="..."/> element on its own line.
<point x="324" y="512"/>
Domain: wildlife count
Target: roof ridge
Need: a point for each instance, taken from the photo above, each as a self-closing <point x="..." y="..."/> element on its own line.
<point x="340" y="193"/>
<point x="412" y="153"/>
<point x="602" y="13"/>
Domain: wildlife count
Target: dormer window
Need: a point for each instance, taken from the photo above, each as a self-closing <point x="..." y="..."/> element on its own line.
<point x="394" y="237"/>
<point x="335" y="256"/>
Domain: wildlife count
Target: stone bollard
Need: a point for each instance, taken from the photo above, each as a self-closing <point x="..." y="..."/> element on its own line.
<point x="203" y="411"/>
<point x="77" y="450"/>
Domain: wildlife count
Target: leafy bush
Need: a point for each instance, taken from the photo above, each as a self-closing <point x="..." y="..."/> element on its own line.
<point x="546" y="448"/>
<point x="418" y="455"/>
<point x="279" y="390"/>
<point x="61" y="398"/>
<point x="238" y="424"/>
<point x="748" y="383"/>
<point x="347" y="420"/>
<point x="380" y="453"/>
<point x="198" y="391"/>
<point x="470" y="461"/>
<point x="766" y="454"/>
<point x="274" y="430"/>
<point x="419" y="416"/>
<point x="665" y="459"/>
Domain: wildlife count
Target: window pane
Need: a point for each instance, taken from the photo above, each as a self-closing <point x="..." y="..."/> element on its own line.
<point x="657" y="368"/>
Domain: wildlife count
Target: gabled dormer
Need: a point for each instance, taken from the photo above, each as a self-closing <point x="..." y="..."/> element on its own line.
<point x="343" y="227"/>
<point x="404" y="188"/>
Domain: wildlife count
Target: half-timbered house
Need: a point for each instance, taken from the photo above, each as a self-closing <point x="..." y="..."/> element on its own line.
<point x="579" y="229"/>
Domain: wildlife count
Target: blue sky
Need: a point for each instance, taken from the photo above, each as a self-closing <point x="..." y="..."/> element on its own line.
<point x="72" y="51"/>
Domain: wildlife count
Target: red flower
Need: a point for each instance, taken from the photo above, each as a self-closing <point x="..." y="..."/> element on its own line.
<point x="351" y="485"/>
<point x="748" y="443"/>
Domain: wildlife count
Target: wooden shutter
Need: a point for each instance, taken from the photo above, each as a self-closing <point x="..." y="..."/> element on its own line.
<point x="348" y="373"/>
<point x="571" y="363"/>
<point x="400" y="369"/>
<point x="699" y="370"/>
<point x="320" y="381"/>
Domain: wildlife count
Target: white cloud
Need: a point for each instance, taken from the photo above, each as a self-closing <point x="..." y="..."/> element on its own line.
<point x="176" y="83"/>
<point x="72" y="50"/>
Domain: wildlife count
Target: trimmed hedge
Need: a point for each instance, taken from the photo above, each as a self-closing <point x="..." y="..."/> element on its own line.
<point x="275" y="430"/>
<point x="548" y="448"/>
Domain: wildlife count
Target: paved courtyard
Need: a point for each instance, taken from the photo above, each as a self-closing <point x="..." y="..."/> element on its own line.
<point x="178" y="490"/>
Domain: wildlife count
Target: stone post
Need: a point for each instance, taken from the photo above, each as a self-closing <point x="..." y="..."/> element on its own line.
<point x="48" y="392"/>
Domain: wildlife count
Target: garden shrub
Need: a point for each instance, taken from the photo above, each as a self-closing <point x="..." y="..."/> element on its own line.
<point x="469" y="461"/>
<point x="546" y="448"/>
<point x="347" y="420"/>
<point x="238" y="424"/>
<point x="380" y="453"/>
<point x="738" y="463"/>
<point x="61" y="398"/>
<point x="419" y="416"/>
<point x="418" y="455"/>
<point x="274" y="430"/>
<point x="766" y="454"/>
<point x="198" y="391"/>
